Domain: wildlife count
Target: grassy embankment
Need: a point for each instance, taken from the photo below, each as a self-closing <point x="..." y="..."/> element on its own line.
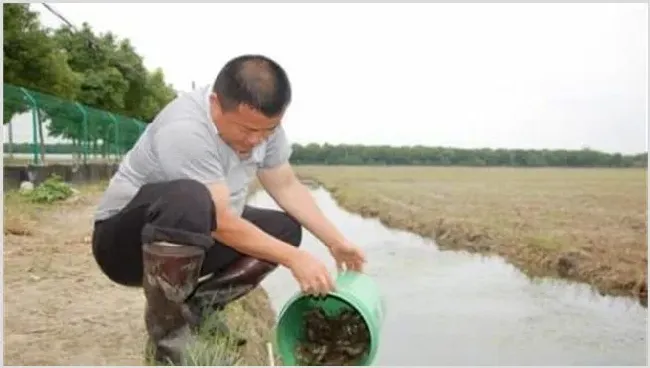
<point x="60" y="309"/>
<point x="586" y="225"/>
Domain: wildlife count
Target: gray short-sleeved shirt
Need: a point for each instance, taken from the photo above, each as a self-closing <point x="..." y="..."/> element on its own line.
<point x="182" y="142"/>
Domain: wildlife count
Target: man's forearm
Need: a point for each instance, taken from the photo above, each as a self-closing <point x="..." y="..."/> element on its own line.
<point x="296" y="200"/>
<point x="246" y="238"/>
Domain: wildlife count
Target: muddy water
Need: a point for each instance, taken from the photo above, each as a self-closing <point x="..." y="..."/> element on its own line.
<point x="453" y="308"/>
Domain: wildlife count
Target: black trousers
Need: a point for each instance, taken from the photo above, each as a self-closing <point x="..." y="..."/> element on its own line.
<point x="180" y="212"/>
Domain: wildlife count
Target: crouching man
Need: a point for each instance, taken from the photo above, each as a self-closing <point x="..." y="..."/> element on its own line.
<point x="174" y="218"/>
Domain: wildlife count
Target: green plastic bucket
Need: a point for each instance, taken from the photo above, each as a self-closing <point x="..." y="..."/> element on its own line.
<point x="353" y="289"/>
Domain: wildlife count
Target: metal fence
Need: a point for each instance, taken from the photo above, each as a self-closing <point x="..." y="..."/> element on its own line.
<point x="55" y="130"/>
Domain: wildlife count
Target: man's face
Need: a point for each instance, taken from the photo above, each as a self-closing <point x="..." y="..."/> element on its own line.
<point x="243" y="128"/>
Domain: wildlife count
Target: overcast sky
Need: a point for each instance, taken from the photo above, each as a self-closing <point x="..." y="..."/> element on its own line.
<point x="466" y="75"/>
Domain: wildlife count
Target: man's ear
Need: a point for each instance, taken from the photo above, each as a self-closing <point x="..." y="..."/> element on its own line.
<point x="215" y="105"/>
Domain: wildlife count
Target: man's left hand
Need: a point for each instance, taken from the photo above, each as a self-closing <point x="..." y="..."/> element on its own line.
<point x="348" y="256"/>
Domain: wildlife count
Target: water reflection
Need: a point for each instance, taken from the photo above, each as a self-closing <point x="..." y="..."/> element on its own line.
<point x="453" y="308"/>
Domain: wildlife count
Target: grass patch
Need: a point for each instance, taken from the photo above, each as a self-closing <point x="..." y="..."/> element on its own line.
<point x="52" y="189"/>
<point x="20" y="214"/>
<point x="23" y="209"/>
<point x="586" y="225"/>
<point x="250" y="317"/>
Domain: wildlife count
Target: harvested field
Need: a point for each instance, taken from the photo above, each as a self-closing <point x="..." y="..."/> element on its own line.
<point x="586" y="225"/>
<point x="59" y="308"/>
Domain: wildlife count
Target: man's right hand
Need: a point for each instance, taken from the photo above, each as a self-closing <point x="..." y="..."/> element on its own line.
<point x="310" y="273"/>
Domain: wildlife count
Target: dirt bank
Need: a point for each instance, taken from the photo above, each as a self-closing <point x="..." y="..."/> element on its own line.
<point x="59" y="308"/>
<point x="582" y="225"/>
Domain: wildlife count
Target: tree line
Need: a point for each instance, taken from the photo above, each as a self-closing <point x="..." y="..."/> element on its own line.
<point x="327" y="154"/>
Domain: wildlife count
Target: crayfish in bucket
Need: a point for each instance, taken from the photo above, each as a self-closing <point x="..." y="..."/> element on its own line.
<point x="342" y="339"/>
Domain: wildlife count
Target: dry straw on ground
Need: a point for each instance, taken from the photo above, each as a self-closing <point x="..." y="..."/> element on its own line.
<point x="59" y="308"/>
<point x="585" y="225"/>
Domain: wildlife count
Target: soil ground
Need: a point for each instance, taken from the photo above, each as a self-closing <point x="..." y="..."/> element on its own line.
<point x="60" y="309"/>
<point x="586" y="225"/>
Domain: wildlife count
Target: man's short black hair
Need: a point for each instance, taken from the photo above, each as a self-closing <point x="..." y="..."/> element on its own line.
<point x="253" y="80"/>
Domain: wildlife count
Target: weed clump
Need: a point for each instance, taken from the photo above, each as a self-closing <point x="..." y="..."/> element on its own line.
<point x="53" y="189"/>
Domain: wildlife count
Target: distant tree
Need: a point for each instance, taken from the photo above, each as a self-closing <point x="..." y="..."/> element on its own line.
<point x="96" y="70"/>
<point x="32" y="60"/>
<point x="114" y="79"/>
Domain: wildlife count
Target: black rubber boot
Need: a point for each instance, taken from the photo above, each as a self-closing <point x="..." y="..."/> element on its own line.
<point x="212" y="295"/>
<point x="171" y="274"/>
